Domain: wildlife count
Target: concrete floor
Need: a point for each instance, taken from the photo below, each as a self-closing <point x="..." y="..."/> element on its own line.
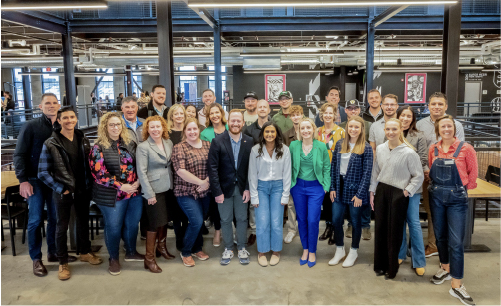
<point x="287" y="283"/>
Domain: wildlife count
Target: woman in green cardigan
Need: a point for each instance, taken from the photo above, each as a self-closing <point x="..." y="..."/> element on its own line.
<point x="216" y="123"/>
<point x="310" y="181"/>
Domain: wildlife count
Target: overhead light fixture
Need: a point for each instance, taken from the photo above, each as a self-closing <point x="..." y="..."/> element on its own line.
<point x="291" y="54"/>
<point x="53" y="4"/>
<point x="327" y="71"/>
<point x="286" y="3"/>
<point x="349" y="73"/>
<point x="355" y="72"/>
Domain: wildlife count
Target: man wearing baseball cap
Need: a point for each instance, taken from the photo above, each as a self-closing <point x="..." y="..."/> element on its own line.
<point x="282" y="118"/>
<point x="250" y="114"/>
<point x="352" y="109"/>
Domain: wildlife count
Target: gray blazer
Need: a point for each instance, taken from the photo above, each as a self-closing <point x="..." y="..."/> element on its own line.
<point x="154" y="167"/>
<point x="418" y="141"/>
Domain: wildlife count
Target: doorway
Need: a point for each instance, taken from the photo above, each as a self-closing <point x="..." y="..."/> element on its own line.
<point x="472" y="94"/>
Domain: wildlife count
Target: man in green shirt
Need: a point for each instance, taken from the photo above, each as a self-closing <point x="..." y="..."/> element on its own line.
<point x="282" y="118"/>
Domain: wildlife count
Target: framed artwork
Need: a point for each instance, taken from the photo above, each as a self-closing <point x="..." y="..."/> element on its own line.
<point x="274" y="84"/>
<point x="226" y="96"/>
<point x="415" y="88"/>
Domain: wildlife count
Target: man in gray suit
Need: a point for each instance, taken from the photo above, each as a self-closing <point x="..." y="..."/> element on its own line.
<point x="132" y="121"/>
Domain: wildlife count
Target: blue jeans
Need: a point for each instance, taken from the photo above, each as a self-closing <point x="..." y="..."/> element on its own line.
<point x="338" y="209"/>
<point x="196" y="210"/>
<point x="126" y="214"/>
<point x="41" y="195"/>
<point x="269" y="216"/>
<point x="308" y="197"/>
<point x="415" y="234"/>
<point x="448" y="210"/>
<point x="365" y="216"/>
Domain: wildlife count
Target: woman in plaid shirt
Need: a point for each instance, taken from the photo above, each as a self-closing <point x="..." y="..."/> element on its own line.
<point x="191" y="187"/>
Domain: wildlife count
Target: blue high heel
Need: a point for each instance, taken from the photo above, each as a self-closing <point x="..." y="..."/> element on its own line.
<point x="312" y="263"/>
<point x="302" y="262"/>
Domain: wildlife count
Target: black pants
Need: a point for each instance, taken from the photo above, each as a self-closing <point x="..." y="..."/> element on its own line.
<point x="214" y="213"/>
<point x="327" y="209"/>
<point x="63" y="203"/>
<point x="390" y="207"/>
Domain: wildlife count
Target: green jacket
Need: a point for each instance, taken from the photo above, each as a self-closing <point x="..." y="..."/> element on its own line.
<point x="208" y="133"/>
<point x="367" y="128"/>
<point x="321" y="162"/>
<point x="283" y="123"/>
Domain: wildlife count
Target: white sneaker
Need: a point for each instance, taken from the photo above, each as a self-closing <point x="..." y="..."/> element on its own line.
<point x="340" y="254"/>
<point x="289" y="237"/>
<point x="350" y="259"/>
<point x="243" y="255"/>
<point x="227" y="256"/>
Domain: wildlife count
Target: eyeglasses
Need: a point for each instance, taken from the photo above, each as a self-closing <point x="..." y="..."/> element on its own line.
<point x="114" y="125"/>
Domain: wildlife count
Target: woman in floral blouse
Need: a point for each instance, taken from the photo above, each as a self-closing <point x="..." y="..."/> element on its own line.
<point x="329" y="134"/>
<point x="116" y="188"/>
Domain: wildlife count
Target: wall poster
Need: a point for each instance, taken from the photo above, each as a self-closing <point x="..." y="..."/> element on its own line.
<point x="274" y="84"/>
<point x="415" y="88"/>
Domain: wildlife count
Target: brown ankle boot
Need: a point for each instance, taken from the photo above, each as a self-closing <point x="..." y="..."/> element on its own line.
<point x="161" y="246"/>
<point x="149" y="258"/>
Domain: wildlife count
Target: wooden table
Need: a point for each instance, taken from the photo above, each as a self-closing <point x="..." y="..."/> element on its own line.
<point x="8" y="179"/>
<point x="483" y="190"/>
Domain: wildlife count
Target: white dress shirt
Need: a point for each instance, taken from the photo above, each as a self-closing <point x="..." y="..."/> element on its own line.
<point x="266" y="168"/>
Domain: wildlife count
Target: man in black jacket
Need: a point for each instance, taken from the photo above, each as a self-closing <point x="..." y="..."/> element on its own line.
<point x="228" y="167"/>
<point x="64" y="167"/>
<point x="28" y="148"/>
<point x="157" y="104"/>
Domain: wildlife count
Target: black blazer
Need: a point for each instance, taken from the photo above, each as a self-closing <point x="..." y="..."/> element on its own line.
<point x="221" y="165"/>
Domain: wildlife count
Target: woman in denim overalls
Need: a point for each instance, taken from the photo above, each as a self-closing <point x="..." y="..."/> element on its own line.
<point x="449" y="202"/>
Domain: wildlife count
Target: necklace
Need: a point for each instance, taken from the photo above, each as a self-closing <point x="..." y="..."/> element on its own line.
<point x="307" y="149"/>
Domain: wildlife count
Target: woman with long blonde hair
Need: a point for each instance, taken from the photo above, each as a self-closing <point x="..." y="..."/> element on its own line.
<point x="116" y="187"/>
<point x="396" y="175"/>
<point x="351" y="170"/>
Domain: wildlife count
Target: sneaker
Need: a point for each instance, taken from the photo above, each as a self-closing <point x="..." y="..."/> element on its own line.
<point x="243" y="255"/>
<point x="91" y="258"/>
<point x="188" y="261"/>
<point x="462" y="295"/>
<point x="440" y="277"/>
<point x="227" y="256"/>
<point x="366" y="234"/>
<point x="349" y="232"/>
<point x="200" y="255"/>
<point x="114" y="267"/>
<point x="430" y="251"/>
<point x="64" y="272"/>
<point x="289" y="237"/>
<point x="134" y="257"/>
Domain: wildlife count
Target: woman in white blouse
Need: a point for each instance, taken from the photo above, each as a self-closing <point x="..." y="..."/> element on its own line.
<point x="269" y="183"/>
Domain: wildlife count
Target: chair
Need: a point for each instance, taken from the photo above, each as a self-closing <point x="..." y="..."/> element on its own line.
<point x="11" y="212"/>
<point x="492" y="175"/>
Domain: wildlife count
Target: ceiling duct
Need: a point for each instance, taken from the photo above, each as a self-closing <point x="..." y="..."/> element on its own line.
<point x="262" y="63"/>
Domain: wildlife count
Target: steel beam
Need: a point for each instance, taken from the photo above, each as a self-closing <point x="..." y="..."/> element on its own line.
<point x="369" y="54"/>
<point x="129" y="80"/>
<point x="69" y="72"/>
<point x="165" y="49"/>
<point x="388" y="13"/>
<point x="28" y="103"/>
<point x="217" y="58"/>
<point x="450" y="55"/>
<point x="40" y="22"/>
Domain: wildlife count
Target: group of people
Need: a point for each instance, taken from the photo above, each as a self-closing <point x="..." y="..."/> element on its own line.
<point x="241" y="168"/>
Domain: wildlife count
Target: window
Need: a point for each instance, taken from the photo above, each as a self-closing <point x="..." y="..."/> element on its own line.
<point x="188" y="85"/>
<point x="212" y="83"/>
<point x="105" y="88"/>
<point x="50" y="83"/>
<point x="139" y="81"/>
<point x="17" y="92"/>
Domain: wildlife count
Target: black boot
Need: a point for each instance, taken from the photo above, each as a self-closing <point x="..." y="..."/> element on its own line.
<point x="327" y="234"/>
<point x="331" y="239"/>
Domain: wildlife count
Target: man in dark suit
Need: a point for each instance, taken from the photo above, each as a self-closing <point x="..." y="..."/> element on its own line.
<point x="228" y="167"/>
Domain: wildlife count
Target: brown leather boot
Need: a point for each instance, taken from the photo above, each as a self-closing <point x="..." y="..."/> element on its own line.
<point x="149" y="258"/>
<point x="161" y="246"/>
